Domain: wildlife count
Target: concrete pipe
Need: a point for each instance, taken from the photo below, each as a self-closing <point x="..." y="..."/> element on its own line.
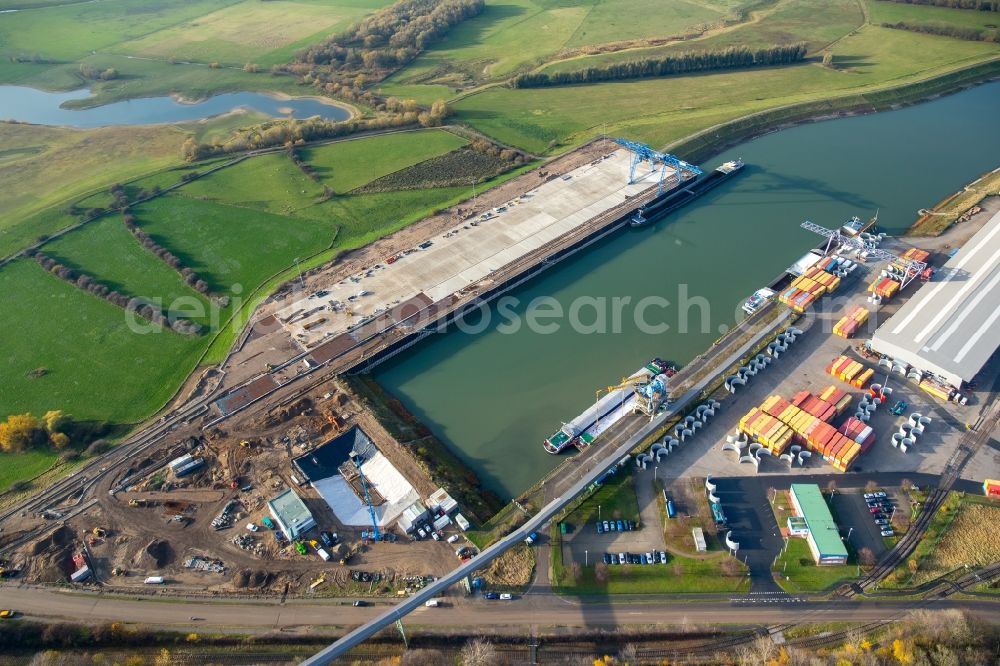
<point x="748" y="459"/>
<point x="710" y="412"/>
<point x="714" y="404"/>
<point x="700" y="409"/>
<point x="900" y="369"/>
<point x="688" y="420"/>
<point x="905" y="429"/>
<point x="905" y="445"/>
<point x="917" y="431"/>
<point x="781" y="339"/>
<point x="914" y="418"/>
<point x="925" y="421"/>
<point x="763" y="452"/>
<point x="792" y="330"/>
<point x="915" y="375"/>
<point x="803" y="455"/>
<point x="787" y="457"/>
<point x="887" y="391"/>
<point x="656" y="448"/>
<point x="746" y="371"/>
<point x="755" y="447"/>
<point x="877" y="402"/>
<point x="709" y="483"/>
<point x="731" y="543"/>
<point x="712" y="497"/>
<point x="877" y="388"/>
<point x="771" y="348"/>
<point x="685" y="434"/>
<point x="730" y="446"/>
<point x="896" y="439"/>
<point x="760" y="358"/>
<point x="696" y="426"/>
<point x="865" y="416"/>
<point x="858" y="414"/>
<point x="795" y="448"/>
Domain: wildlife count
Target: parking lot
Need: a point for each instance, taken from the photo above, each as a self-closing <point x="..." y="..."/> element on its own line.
<point x="855" y="518"/>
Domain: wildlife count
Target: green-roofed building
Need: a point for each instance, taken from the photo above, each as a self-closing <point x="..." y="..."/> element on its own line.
<point x="824" y="536"/>
<point x="291" y="514"/>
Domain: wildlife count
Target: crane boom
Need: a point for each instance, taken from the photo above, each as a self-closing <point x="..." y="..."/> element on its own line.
<point x="911" y="267"/>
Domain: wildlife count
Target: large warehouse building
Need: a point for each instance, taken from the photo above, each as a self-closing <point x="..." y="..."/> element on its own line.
<point x="824" y="536"/>
<point x="948" y="328"/>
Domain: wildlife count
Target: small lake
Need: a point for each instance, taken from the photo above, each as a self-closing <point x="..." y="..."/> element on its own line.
<point x="45" y="108"/>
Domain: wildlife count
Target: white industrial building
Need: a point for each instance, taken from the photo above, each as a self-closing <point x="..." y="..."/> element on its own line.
<point x="949" y="327"/>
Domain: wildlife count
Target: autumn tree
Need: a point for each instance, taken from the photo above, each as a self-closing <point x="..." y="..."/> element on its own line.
<point x="866" y="557"/>
<point x="478" y="652"/>
<point x="21" y="432"/>
<point x="601" y="572"/>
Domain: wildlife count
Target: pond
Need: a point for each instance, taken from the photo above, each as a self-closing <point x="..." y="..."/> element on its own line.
<point x="45" y="108"/>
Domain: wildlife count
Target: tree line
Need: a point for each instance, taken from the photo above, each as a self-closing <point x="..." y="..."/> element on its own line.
<point x="293" y="131"/>
<point x="948" y="30"/>
<point x="391" y="37"/>
<point x="132" y="304"/>
<point x="978" y="5"/>
<point x="679" y="63"/>
<point x="21" y="432"/>
<point x="170" y="259"/>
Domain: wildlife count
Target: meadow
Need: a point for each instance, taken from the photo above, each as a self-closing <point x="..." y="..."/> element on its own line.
<point x="242" y="229"/>
<point x="675" y="107"/>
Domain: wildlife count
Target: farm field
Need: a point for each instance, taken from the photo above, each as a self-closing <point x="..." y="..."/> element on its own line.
<point x="514" y="35"/>
<point x="346" y="166"/>
<point x="96" y="368"/>
<point x="675" y="107"/>
<point x="27" y="465"/>
<point x="893" y="12"/>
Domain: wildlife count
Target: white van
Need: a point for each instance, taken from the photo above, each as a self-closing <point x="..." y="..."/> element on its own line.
<point x="432" y="603"/>
<point x="322" y="553"/>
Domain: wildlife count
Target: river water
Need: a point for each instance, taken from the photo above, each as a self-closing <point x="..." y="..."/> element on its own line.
<point x="45" y="108"/>
<point x="494" y="396"/>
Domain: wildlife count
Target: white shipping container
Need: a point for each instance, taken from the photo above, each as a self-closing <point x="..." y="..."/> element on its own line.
<point x="154" y="580"/>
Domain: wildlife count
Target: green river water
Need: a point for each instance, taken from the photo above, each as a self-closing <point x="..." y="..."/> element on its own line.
<point x="494" y="396"/>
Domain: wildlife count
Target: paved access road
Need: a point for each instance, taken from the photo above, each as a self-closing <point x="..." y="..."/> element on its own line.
<point x="50" y="605"/>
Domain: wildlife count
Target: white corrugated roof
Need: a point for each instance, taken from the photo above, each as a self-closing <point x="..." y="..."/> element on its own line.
<point x="948" y="326"/>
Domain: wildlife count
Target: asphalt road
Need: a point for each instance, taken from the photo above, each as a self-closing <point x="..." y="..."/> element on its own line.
<point x="546" y="609"/>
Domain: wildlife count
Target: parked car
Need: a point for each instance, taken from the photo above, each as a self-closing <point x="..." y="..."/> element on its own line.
<point x="252" y="527"/>
<point x="644" y="561"/>
<point x="505" y="596"/>
<point x="621" y="558"/>
<point x="607" y="527"/>
<point x="881" y="493"/>
<point x="650" y="558"/>
<point x="600" y="527"/>
<point x="613" y="525"/>
<point x="614" y="559"/>
<point x="887" y="532"/>
<point x="881" y="521"/>
<point x="491" y="595"/>
<point x="899" y="407"/>
<point x="453" y="538"/>
<point x="360" y="602"/>
<point x="869" y="495"/>
<point x="663" y="557"/>
<point x="873" y="509"/>
<point x="621" y="525"/>
<point x="631" y="525"/>
<point x="607" y="558"/>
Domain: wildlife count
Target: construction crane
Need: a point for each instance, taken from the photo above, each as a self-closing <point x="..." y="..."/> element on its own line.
<point x="641" y="153"/>
<point x="625" y="383"/>
<point x="358" y="459"/>
<point x="910" y="268"/>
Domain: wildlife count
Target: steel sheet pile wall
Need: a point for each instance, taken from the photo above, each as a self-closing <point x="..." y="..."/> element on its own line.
<point x="805" y="421"/>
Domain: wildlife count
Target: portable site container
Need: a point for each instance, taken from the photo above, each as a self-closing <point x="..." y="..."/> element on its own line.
<point x="154" y="580"/>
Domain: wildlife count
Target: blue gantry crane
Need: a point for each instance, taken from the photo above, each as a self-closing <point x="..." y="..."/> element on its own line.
<point x="376" y="535"/>
<point x="642" y="153"/>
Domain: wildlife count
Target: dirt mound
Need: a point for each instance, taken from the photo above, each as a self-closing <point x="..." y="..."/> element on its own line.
<point x="62" y="537"/>
<point x="254" y="580"/>
<point x="160" y="552"/>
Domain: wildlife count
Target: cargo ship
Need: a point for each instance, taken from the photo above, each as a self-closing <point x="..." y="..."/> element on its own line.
<point x="685" y="193"/>
<point x="581" y="431"/>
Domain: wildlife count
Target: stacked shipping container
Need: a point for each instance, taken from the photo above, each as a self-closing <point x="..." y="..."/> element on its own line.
<point x="851" y="322"/>
<point x="805" y="420"/>
<point x="848" y="370"/>
<point x="811" y="285"/>
<point x="884" y="287"/>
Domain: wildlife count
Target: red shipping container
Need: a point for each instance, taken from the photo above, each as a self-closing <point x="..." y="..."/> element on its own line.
<point x="800" y="397"/>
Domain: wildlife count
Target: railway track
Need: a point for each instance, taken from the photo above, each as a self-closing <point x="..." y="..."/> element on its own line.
<point x="970" y="443"/>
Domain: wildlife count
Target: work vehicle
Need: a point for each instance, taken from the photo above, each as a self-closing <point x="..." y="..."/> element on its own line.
<point x="300" y="548"/>
<point x="7" y="613"/>
<point x="323" y="554"/>
<point x="327" y="538"/>
<point x="899" y="407"/>
<point x="532" y="538"/>
<point x="154" y="580"/>
<point x="268" y="523"/>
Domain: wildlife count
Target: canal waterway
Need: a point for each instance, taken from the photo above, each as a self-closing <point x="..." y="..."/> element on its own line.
<point x="45" y="108"/>
<point x="493" y="397"/>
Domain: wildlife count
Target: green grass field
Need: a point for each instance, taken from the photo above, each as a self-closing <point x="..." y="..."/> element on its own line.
<point x="27" y="465"/>
<point x="616" y="499"/>
<point x="98" y="369"/>
<point x="796" y="571"/>
<point x="675" y="107"/>
<point x="347" y="165"/>
<point x="893" y="12"/>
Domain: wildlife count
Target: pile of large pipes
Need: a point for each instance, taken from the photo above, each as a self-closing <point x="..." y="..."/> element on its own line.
<point x="910" y="431"/>
<point x="691" y="424"/>
<point x="760" y="362"/>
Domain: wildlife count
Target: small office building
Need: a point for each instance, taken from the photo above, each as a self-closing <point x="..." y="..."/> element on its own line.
<point x="823" y="534"/>
<point x="291" y="514"/>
